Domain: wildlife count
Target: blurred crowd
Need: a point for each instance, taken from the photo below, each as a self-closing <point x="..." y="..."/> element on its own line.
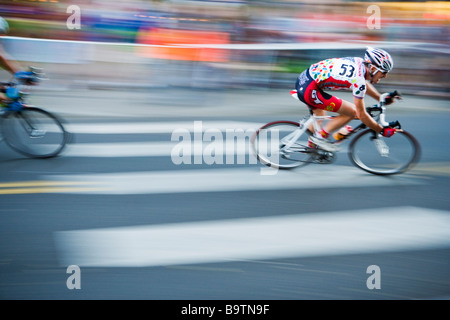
<point x="223" y="22"/>
<point x="243" y="21"/>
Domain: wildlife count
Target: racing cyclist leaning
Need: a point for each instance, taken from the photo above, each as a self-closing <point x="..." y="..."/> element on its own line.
<point x="349" y="73"/>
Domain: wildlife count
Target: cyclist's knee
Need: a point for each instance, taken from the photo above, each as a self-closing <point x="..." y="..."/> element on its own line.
<point x="319" y="112"/>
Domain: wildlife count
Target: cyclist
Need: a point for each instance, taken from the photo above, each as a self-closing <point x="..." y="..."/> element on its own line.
<point x="10" y="64"/>
<point x="354" y="73"/>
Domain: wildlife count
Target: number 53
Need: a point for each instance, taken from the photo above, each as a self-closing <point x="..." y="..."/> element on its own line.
<point x="344" y="69"/>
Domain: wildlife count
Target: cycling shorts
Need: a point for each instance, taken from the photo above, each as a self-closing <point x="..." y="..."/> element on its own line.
<point x="309" y="93"/>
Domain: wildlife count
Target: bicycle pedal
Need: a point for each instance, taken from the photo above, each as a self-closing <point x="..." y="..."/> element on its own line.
<point x="324" y="157"/>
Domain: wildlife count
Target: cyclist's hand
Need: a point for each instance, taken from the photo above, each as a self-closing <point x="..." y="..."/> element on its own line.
<point x="388" y="132"/>
<point x="392" y="96"/>
<point x="26" y="77"/>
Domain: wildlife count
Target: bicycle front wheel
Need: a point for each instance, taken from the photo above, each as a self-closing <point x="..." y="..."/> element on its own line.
<point x="34" y="132"/>
<point x="384" y="156"/>
<point x="272" y="145"/>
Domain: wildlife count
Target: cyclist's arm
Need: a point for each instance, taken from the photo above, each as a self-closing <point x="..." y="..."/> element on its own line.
<point x="362" y="115"/>
<point x="7" y="63"/>
<point x="372" y="91"/>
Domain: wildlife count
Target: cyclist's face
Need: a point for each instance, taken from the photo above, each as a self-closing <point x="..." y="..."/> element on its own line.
<point x="378" y="75"/>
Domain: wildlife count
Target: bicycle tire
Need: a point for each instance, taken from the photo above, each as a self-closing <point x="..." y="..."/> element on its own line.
<point x="393" y="155"/>
<point x="34" y="132"/>
<point x="272" y="156"/>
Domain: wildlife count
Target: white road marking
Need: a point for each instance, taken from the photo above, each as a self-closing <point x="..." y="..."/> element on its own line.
<point x="301" y="235"/>
<point x="232" y="179"/>
<point x="238" y="137"/>
<point x="157" y="127"/>
<point x="119" y="149"/>
<point x="147" y="149"/>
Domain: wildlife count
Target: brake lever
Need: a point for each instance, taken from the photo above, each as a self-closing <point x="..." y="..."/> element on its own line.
<point x="395" y="124"/>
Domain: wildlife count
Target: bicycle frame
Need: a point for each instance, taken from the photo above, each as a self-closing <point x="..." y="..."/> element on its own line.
<point x="316" y="121"/>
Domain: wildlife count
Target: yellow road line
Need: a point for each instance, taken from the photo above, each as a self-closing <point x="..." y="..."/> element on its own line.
<point x="433" y="168"/>
<point x="48" y="186"/>
<point x="48" y="190"/>
<point x="39" y="183"/>
<point x="41" y="186"/>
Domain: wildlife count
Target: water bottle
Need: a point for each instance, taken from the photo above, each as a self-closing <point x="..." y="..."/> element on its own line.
<point x="342" y="133"/>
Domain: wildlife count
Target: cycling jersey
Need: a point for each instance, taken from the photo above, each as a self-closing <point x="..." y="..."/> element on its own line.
<point x="340" y="74"/>
<point x="331" y="74"/>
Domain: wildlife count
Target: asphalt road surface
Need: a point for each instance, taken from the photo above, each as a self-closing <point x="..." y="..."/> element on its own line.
<point x="116" y="216"/>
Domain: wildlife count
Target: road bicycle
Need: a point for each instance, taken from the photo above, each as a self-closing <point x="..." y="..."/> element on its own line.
<point x="27" y="129"/>
<point x="284" y="144"/>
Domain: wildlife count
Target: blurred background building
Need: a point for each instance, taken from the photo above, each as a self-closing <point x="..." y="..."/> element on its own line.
<point x="226" y="43"/>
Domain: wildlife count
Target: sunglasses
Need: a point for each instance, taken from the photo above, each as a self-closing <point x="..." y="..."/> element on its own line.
<point x="383" y="72"/>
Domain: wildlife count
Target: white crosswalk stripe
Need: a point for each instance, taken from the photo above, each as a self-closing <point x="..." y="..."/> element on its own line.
<point x="158" y="127"/>
<point x="147" y="149"/>
<point x="237" y="132"/>
<point x="304" y="235"/>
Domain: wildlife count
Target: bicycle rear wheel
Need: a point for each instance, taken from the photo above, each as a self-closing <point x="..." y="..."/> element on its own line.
<point x="269" y="145"/>
<point x="384" y="156"/>
<point x="34" y="132"/>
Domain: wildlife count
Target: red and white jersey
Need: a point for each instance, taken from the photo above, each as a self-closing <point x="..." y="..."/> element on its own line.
<point x="340" y="74"/>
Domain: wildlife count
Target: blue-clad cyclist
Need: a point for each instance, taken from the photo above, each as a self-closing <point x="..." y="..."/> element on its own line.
<point x="10" y="65"/>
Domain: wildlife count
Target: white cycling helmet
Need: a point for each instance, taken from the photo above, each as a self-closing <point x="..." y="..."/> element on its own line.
<point x="4" y="26"/>
<point x="379" y="58"/>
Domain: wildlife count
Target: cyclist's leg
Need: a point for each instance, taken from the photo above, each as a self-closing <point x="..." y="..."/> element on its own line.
<point x="347" y="112"/>
<point x="321" y="102"/>
<point x="309" y="93"/>
<point x="345" y="109"/>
